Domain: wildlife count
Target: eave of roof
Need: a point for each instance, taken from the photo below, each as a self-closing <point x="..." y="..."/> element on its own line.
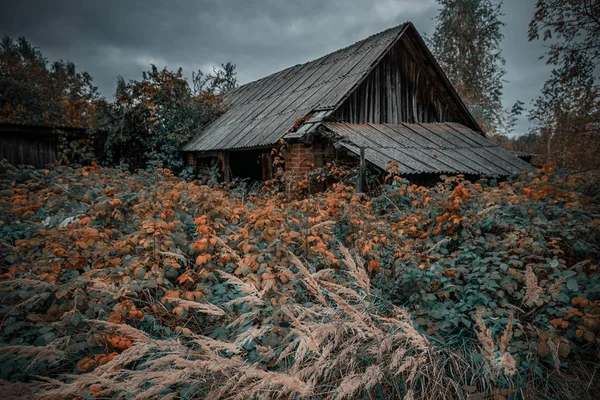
<point x="428" y="148"/>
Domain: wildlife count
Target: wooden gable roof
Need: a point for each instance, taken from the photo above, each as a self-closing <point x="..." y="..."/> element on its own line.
<point x="262" y="112"/>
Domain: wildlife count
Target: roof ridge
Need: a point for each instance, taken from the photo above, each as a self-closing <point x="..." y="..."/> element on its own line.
<point x="271" y="76"/>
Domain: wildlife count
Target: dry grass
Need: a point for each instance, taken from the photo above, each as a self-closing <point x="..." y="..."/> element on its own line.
<point x="532" y="290"/>
<point x="343" y="345"/>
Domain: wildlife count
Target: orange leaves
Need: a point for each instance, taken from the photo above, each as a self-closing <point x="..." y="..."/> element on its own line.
<point x="193" y="296"/>
<point x="586" y="333"/>
<point x="183" y="278"/>
<point x="373" y="266"/>
<point x="166" y="214"/>
<point x="119" y="342"/>
<point x="89" y="363"/>
<point x="367" y="248"/>
<point x="201" y="220"/>
<point x="184" y="331"/>
<point x="559" y="323"/>
<point x="201" y="226"/>
<point x="125" y="308"/>
<point x="450" y="273"/>
<point x="172" y="294"/>
<point x="460" y="192"/>
<point x="199" y="245"/>
<point x="86" y="364"/>
<point x="179" y="311"/>
<point x="136" y="314"/>
<point x="114" y="202"/>
<point x="588" y="316"/>
<point x="320" y="247"/>
<point x="19" y="199"/>
<point x="95" y="389"/>
<point x="59" y="252"/>
<point x="252" y="239"/>
<point x="203" y="229"/>
<point x="203" y="259"/>
<point x="248" y="248"/>
<point x="580" y="301"/>
<point x="85" y="243"/>
<point x="116" y="318"/>
<point x="173" y="263"/>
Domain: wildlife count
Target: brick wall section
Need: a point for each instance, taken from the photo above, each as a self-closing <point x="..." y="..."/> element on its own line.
<point x="300" y="159"/>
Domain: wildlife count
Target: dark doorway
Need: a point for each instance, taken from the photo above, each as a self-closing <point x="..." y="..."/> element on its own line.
<point x="250" y="164"/>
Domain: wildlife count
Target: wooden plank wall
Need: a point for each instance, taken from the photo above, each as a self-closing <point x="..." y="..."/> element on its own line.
<point x="400" y="89"/>
<point x="36" y="150"/>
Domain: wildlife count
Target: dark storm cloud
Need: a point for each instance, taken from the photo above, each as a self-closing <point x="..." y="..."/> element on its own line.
<point x="111" y="38"/>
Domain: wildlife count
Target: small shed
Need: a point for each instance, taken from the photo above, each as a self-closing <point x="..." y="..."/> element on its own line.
<point x="385" y="94"/>
<point x="37" y="145"/>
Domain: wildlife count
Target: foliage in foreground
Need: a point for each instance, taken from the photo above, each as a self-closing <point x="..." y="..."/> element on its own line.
<point x="145" y="286"/>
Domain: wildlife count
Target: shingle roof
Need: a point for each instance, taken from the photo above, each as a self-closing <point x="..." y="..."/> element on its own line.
<point x="428" y="148"/>
<point x="261" y="112"/>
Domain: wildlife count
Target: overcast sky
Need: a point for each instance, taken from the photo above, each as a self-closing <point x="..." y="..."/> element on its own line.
<point x="123" y="37"/>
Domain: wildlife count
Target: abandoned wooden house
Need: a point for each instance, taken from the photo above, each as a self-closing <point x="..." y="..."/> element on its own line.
<point x="385" y="94"/>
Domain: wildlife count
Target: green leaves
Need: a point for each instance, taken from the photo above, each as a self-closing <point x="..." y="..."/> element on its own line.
<point x="572" y="285"/>
<point x="149" y="120"/>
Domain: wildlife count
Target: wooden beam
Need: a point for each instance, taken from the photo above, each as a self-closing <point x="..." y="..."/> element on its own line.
<point x="224" y="166"/>
<point x="361" y="171"/>
<point x="267" y="164"/>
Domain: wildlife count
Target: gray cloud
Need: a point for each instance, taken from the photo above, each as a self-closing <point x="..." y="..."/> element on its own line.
<point x="110" y="38"/>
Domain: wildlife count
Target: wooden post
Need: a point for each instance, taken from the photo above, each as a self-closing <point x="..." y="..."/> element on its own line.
<point x="361" y="171"/>
<point x="267" y="164"/>
<point x="224" y="166"/>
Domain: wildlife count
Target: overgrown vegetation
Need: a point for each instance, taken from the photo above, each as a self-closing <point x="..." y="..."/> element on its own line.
<point x="144" y="286"/>
<point x="149" y="120"/>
